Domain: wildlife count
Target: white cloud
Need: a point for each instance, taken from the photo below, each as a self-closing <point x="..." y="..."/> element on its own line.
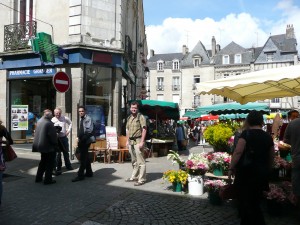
<point x="242" y="28"/>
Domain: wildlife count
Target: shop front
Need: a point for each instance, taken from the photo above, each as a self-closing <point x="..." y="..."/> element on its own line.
<point x="31" y="91"/>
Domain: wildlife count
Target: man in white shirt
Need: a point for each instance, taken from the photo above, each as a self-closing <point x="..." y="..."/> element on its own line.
<point x="66" y="125"/>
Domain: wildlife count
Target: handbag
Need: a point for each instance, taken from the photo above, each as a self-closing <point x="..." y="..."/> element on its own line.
<point x="9" y="153"/>
<point x="77" y="153"/>
<point x="228" y="191"/>
<point x="246" y="161"/>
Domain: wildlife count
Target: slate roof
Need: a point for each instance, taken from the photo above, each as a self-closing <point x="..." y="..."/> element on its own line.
<point x="167" y="58"/>
<point x="232" y="49"/>
<point x="199" y="49"/>
<point x="284" y="44"/>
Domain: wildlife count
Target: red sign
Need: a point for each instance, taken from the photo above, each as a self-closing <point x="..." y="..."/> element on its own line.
<point x="61" y="82"/>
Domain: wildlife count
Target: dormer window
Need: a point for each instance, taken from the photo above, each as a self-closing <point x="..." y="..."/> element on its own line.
<point x="197" y="59"/>
<point x="160" y="65"/>
<point x="225" y="59"/>
<point x="237" y="58"/>
<point x="270" y="57"/>
<point x="175" y="65"/>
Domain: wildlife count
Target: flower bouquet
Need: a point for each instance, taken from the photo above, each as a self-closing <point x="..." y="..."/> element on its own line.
<point x="213" y="187"/>
<point x="275" y="199"/>
<point x="218" y="136"/>
<point x="219" y="161"/>
<point x="197" y="164"/>
<point x="176" y="176"/>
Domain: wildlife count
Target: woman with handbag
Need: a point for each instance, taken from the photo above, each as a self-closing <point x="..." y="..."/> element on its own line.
<point x="251" y="164"/>
<point x="8" y="141"/>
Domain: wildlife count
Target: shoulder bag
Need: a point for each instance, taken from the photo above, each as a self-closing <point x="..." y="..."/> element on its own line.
<point x="8" y="153"/>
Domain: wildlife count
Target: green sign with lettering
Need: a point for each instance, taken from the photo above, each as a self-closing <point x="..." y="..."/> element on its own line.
<point x="42" y="44"/>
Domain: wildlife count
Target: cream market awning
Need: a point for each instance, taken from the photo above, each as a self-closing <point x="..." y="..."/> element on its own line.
<point x="259" y="85"/>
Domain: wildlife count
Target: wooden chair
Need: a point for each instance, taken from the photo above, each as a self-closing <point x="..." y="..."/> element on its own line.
<point x="121" y="150"/>
<point x="100" y="147"/>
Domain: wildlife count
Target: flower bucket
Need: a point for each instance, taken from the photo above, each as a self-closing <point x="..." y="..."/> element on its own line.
<point x="177" y="186"/>
<point x="195" y="184"/>
<point x="214" y="198"/>
<point x="218" y="172"/>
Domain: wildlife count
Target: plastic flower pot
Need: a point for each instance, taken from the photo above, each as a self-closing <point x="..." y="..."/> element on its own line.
<point x="177" y="186"/>
<point x="214" y="198"/>
<point x="218" y="172"/>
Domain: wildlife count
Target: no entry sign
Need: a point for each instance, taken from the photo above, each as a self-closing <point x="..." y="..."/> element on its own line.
<point x="61" y="82"/>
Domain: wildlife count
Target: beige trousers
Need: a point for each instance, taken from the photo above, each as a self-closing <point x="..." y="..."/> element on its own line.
<point x="138" y="163"/>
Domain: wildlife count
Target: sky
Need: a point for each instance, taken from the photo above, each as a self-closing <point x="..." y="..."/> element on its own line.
<point x="170" y="24"/>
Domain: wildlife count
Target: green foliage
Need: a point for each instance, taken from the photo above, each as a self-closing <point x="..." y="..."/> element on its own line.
<point x="218" y="135"/>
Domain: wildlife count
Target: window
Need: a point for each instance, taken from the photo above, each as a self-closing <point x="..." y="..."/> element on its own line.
<point x="197" y="59"/>
<point x="175" y="65"/>
<point x="225" y="59"/>
<point x="270" y="57"/>
<point x="238" y="74"/>
<point x="275" y="100"/>
<point x="196" y="81"/>
<point x="225" y="75"/>
<point x="238" y="58"/>
<point x="160" y="84"/>
<point x="160" y="66"/>
<point x="196" y="102"/>
<point x="175" y="84"/>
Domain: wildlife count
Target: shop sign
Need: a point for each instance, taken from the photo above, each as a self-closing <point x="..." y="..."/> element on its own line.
<point x="19" y="117"/>
<point x="42" y="45"/>
<point x="30" y="73"/>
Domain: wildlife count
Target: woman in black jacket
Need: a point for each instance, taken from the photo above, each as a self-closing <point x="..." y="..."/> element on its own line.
<point x="251" y="176"/>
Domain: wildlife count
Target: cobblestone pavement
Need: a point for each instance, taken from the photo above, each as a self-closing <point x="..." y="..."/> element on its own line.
<point x="107" y="199"/>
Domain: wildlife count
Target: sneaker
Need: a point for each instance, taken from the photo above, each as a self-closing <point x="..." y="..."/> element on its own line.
<point x="130" y="180"/>
<point x="139" y="183"/>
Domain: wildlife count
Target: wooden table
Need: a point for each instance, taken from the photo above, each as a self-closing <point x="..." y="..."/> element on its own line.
<point x="161" y="146"/>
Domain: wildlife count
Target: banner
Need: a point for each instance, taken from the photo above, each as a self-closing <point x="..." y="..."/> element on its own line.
<point x="19" y="117"/>
<point x="96" y="112"/>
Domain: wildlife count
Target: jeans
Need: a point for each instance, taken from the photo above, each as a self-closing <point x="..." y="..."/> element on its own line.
<point x="1" y="186"/>
<point x="65" y="142"/>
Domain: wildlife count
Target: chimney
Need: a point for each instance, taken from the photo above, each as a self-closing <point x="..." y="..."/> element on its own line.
<point x="213" y="46"/>
<point x="183" y="49"/>
<point x="289" y="32"/>
<point x="151" y="53"/>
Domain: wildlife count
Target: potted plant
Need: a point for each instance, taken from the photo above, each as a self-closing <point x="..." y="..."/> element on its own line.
<point x="177" y="178"/>
<point x="196" y="166"/>
<point x="174" y="156"/>
<point x="217" y="135"/>
<point x="213" y="187"/>
<point x="275" y="199"/>
<point x="218" y="162"/>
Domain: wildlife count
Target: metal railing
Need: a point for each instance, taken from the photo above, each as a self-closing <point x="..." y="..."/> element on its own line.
<point x="17" y="36"/>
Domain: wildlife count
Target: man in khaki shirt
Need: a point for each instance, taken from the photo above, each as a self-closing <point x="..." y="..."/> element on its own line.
<point x="136" y="129"/>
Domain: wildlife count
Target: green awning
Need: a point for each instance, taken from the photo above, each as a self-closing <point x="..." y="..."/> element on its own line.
<point x="159" y="110"/>
<point x="234" y="108"/>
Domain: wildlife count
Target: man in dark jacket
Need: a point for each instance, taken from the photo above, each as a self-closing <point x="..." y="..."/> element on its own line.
<point x="45" y="142"/>
<point x="85" y="138"/>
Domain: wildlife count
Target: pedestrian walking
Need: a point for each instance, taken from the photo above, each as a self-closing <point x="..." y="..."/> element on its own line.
<point x="136" y="129"/>
<point x="45" y="142"/>
<point x="85" y="137"/>
<point x="66" y="125"/>
<point x="8" y="141"/>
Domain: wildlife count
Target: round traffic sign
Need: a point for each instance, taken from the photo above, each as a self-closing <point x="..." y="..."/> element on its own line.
<point x="61" y="81"/>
